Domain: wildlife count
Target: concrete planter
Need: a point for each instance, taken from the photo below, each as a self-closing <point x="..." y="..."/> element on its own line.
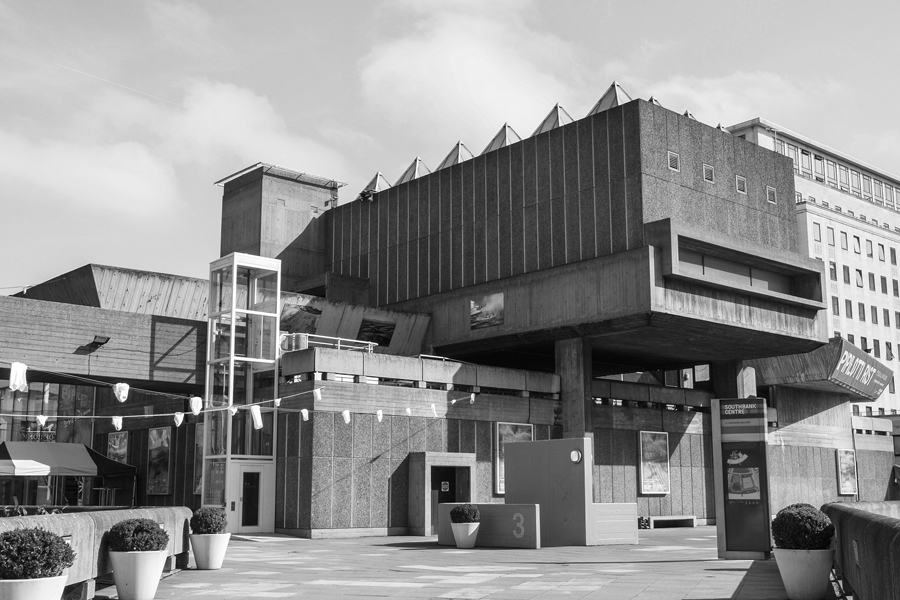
<point x="137" y="574"/>
<point x="465" y="534"/>
<point x="45" y="588"/>
<point x="805" y="573"/>
<point x="209" y="549"/>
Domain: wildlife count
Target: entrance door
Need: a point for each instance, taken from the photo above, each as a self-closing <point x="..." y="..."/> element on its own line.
<point x="249" y="517"/>
<point x="448" y="484"/>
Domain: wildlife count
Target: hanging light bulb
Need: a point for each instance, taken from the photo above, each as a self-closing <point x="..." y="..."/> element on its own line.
<point x="179" y="417"/>
<point x="434" y="410"/>
<point x="305" y="414"/>
<point x="233" y="410"/>
<point x="471" y="398"/>
<point x="120" y="390"/>
<point x="317" y="394"/>
<point x="277" y="402"/>
<point x="41" y="419"/>
<point x="346" y="415"/>
<point x="196" y="405"/>
<point x="408" y="411"/>
<point x="379" y="415"/>
<point x="117" y="423"/>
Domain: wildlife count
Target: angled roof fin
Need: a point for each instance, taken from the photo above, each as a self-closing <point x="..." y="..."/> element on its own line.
<point x="653" y="100"/>
<point x="506" y="136"/>
<point x="557" y="117"/>
<point x="613" y="96"/>
<point x="378" y="184"/>
<point x="459" y="154"/>
<point x="690" y="115"/>
<point x="720" y="128"/>
<point x="413" y="171"/>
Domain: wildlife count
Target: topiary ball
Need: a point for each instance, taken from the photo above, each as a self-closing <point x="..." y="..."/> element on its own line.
<point x="33" y="553"/>
<point x="802" y="527"/>
<point x="465" y="513"/>
<point x="137" y="535"/>
<point x="209" y="519"/>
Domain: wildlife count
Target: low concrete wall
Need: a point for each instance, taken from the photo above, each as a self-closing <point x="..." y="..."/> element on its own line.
<point x="86" y="534"/>
<point x="867" y="547"/>
<point x="502" y="525"/>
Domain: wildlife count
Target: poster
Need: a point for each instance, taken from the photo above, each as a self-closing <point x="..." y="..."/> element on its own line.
<point x="654" y="453"/>
<point x="746" y="498"/>
<point x="846" y="472"/>
<point x="159" y="461"/>
<point x="508" y="432"/>
<point x="117" y="446"/>
<point x="486" y="311"/>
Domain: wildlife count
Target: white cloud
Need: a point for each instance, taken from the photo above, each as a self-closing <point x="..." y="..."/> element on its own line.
<point x="466" y="68"/>
<point x="120" y="177"/>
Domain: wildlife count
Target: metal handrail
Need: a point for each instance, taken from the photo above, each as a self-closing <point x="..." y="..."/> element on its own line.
<point x="291" y="342"/>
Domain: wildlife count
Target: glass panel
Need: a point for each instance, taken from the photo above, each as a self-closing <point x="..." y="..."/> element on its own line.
<point x="844" y="177"/>
<point x="222" y="337"/>
<point x="244" y="277"/>
<point x="247" y="440"/>
<point x="84" y="406"/>
<point x="220" y="293"/>
<point x="266" y="299"/>
<point x="214" y="492"/>
<point x="250" y="500"/>
<point x="218" y="377"/>
<point x="215" y="441"/>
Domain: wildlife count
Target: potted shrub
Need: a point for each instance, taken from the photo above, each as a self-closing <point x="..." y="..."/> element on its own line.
<point x="803" y="550"/>
<point x="32" y="562"/>
<point x="137" y="550"/>
<point x="208" y="538"/>
<point x="464" y="520"/>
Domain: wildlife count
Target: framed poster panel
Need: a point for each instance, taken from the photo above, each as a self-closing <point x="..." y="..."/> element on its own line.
<point x="159" y="461"/>
<point x="654" y="456"/>
<point x="507" y="432"/>
<point x="486" y="311"/>
<point x="198" y="458"/>
<point x="117" y="446"/>
<point x="846" y="472"/>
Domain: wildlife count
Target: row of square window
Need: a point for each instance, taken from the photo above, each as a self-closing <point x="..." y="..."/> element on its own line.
<point x="862" y="217"/>
<point x="875" y="349"/>
<point x="857" y="248"/>
<point x="832" y="274"/>
<point x="836" y="175"/>
<point x="709" y="176"/>
<point x="873" y="312"/>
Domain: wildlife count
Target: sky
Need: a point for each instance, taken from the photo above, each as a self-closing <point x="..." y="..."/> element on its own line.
<point x="116" y="118"/>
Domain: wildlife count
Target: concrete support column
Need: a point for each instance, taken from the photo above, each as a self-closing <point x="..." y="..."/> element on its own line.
<point x="733" y="380"/>
<point x="573" y="365"/>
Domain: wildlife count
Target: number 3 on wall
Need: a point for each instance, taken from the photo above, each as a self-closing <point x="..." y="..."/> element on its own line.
<point x="519" y="531"/>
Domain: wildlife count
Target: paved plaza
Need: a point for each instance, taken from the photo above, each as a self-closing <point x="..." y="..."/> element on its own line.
<point x="667" y="564"/>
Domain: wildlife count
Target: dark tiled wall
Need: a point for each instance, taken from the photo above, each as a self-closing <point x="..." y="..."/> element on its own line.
<point x="570" y="194"/>
<point x="333" y="475"/>
<point x="617" y="472"/>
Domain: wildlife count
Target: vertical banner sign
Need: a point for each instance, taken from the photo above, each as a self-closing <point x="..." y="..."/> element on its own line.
<point x="745" y="477"/>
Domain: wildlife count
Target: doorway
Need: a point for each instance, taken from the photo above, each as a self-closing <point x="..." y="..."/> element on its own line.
<point x="253" y="511"/>
<point x="448" y="484"/>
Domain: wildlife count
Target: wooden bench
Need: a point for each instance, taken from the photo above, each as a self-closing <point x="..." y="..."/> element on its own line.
<point x="673" y="521"/>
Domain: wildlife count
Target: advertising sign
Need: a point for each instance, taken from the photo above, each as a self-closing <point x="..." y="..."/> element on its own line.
<point x="745" y="476"/>
<point x="860" y="372"/>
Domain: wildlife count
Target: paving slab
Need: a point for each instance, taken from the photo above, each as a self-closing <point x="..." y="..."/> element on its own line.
<point x="672" y="563"/>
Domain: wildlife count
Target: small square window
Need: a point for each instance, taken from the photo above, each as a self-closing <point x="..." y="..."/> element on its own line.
<point x="771" y="195"/>
<point x="740" y="184"/>
<point x="674" y="161"/>
<point x="709" y="174"/>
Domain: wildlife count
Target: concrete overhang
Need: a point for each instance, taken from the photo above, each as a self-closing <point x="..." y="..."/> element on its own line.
<point x="838" y="367"/>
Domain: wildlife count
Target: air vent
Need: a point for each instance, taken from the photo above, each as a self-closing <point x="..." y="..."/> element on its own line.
<point x="674" y="162"/>
<point x="740" y="184"/>
<point x="771" y="195"/>
<point x="709" y="174"/>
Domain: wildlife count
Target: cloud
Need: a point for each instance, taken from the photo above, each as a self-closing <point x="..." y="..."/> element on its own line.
<point x="728" y="99"/>
<point x="182" y="26"/>
<point x="463" y="69"/>
<point x="121" y="177"/>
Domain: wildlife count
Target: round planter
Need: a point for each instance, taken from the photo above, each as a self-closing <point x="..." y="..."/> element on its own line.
<point x="50" y="588"/>
<point x="465" y="534"/>
<point x="137" y="574"/>
<point x="209" y="549"/>
<point x="805" y="573"/>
